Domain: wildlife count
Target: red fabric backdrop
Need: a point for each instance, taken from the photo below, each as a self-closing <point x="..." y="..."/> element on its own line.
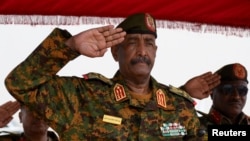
<point x="221" y="12"/>
<point x="227" y="13"/>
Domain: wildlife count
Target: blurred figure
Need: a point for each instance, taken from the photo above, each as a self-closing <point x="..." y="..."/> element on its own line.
<point x="7" y="110"/>
<point x="229" y="98"/>
<point x="34" y="129"/>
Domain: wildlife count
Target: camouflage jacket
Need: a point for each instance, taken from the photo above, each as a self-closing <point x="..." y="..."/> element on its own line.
<point x="94" y="107"/>
<point x="214" y="117"/>
<point x="20" y="137"/>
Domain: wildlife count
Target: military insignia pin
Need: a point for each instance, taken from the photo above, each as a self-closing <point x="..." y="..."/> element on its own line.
<point x="239" y="71"/>
<point x="161" y="99"/>
<point x="150" y="22"/>
<point x="173" y="129"/>
<point x="119" y="92"/>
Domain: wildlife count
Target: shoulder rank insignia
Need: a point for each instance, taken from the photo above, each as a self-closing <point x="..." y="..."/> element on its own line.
<point x="92" y="75"/>
<point x="181" y="93"/>
<point x="119" y="92"/>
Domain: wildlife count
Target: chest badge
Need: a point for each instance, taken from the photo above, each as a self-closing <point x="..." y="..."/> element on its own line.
<point x="173" y="129"/>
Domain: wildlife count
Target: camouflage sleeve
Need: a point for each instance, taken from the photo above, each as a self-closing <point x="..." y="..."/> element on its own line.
<point x="33" y="82"/>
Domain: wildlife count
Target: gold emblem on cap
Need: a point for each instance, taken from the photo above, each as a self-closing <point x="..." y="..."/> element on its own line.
<point x="150" y="22"/>
<point x="239" y="71"/>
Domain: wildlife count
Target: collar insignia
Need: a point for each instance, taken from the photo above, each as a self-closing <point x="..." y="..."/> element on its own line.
<point x="119" y="92"/>
<point x="215" y="116"/>
<point x="161" y="99"/>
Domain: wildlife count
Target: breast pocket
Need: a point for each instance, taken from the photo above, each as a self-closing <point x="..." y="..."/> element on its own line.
<point x="109" y="131"/>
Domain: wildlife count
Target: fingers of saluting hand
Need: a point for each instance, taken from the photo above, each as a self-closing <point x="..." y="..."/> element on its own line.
<point x="4" y="122"/>
<point x="115" y="39"/>
<point x="94" y="42"/>
<point x="210" y="81"/>
<point x="6" y="111"/>
<point x="13" y="107"/>
<point x="104" y="29"/>
<point x="112" y="36"/>
<point x="213" y="80"/>
<point x="10" y="107"/>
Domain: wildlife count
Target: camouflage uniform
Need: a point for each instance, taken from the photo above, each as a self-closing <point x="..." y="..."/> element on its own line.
<point x="94" y="107"/>
<point x="228" y="73"/>
<point x="20" y="137"/>
<point x="216" y="118"/>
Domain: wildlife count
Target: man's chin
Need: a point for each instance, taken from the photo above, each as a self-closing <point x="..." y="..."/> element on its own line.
<point x="39" y="129"/>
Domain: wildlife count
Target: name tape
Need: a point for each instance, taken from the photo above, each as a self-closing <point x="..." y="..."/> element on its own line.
<point x="112" y="119"/>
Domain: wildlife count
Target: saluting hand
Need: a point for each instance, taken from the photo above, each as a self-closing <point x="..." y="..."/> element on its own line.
<point x="7" y="110"/>
<point x="201" y="86"/>
<point x="94" y="42"/>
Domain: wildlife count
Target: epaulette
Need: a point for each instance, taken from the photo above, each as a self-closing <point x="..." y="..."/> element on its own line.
<point x="98" y="76"/>
<point x="182" y="93"/>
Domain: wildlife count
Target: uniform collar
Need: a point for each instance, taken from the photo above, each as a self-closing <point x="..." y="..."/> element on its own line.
<point x="219" y="118"/>
<point x="159" y="100"/>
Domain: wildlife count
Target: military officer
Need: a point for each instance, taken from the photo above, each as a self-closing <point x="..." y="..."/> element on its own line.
<point x="130" y="106"/>
<point x="229" y="98"/>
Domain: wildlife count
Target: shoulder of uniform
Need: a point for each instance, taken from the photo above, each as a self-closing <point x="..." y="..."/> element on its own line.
<point x="97" y="76"/>
<point x="204" y="118"/>
<point x="248" y="117"/>
<point x="52" y="135"/>
<point x="59" y="31"/>
<point x="10" y="136"/>
<point x="181" y="93"/>
<point x="201" y="113"/>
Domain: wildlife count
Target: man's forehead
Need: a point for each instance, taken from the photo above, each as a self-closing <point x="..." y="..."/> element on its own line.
<point x="236" y="82"/>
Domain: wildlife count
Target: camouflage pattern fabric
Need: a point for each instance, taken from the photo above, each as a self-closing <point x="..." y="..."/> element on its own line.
<point x="214" y="117"/>
<point x="75" y="107"/>
<point x="20" y="137"/>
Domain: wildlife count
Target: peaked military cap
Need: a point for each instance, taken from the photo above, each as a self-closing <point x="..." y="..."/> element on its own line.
<point x="142" y="23"/>
<point x="232" y="72"/>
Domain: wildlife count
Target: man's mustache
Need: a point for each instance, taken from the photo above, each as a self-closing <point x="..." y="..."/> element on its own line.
<point x="141" y="59"/>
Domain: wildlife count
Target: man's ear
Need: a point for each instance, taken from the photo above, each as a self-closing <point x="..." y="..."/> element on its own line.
<point x="114" y="51"/>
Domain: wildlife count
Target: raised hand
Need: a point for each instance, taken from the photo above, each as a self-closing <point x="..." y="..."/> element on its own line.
<point x="94" y="42"/>
<point x="7" y="110"/>
<point x="201" y="86"/>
